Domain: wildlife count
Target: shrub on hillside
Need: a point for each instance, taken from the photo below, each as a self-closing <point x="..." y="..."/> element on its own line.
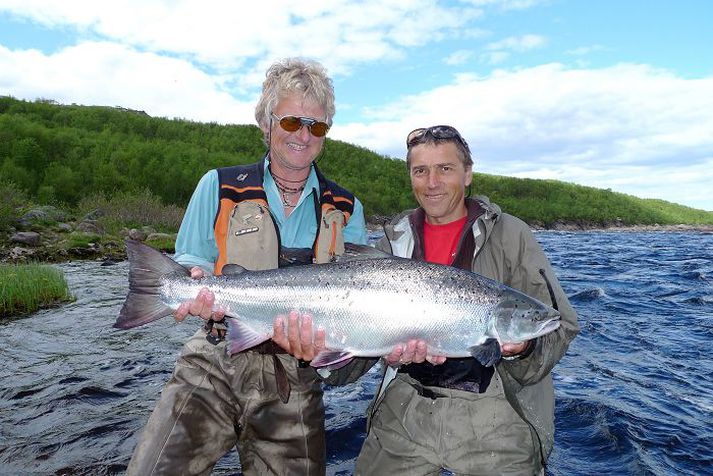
<point x="130" y="210"/>
<point x="12" y="201"/>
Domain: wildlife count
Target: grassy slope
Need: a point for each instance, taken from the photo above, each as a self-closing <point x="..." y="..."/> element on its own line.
<point x="133" y="152"/>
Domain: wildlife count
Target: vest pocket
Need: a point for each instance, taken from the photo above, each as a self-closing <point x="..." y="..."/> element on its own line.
<point x="330" y="238"/>
<point x="252" y="240"/>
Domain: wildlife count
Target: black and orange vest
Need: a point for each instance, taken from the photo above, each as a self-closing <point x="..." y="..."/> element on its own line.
<point x="241" y="183"/>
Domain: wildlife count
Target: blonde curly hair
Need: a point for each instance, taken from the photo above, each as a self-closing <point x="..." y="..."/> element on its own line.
<point x="294" y="75"/>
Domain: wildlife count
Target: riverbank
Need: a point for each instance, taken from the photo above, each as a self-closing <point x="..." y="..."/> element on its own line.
<point x="628" y="228"/>
<point x="376" y="224"/>
<point x="46" y="235"/>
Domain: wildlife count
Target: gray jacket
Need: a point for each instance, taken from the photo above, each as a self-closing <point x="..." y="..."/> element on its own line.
<point x="507" y="251"/>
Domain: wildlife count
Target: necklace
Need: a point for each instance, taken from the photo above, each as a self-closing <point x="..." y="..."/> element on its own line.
<point x="287" y="192"/>
<point x="283" y="180"/>
<point x="284" y="188"/>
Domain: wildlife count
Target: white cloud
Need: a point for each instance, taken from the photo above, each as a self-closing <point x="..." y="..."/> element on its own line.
<point x="507" y="4"/>
<point x="495" y="57"/>
<point x="474" y="33"/>
<point x="230" y="37"/>
<point x="631" y="128"/>
<point x="458" y="57"/>
<point x="518" y="43"/>
<point x="105" y="73"/>
<point x="500" y="51"/>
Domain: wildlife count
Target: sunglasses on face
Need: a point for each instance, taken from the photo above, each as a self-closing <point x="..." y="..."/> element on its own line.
<point x="417" y="136"/>
<point x="295" y="123"/>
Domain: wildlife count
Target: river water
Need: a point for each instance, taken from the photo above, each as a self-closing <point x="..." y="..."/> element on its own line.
<point x="634" y="392"/>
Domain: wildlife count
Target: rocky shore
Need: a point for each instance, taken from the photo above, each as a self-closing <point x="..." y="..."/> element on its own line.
<point x="620" y="227"/>
<point x="47" y="234"/>
<point x="375" y="223"/>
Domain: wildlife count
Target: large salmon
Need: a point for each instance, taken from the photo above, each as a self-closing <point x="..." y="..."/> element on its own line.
<point x="366" y="306"/>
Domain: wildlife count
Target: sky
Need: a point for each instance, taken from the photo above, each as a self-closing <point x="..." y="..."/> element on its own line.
<point x="613" y="94"/>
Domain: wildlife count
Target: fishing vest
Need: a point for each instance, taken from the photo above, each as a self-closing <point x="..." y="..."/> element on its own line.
<point x="246" y="233"/>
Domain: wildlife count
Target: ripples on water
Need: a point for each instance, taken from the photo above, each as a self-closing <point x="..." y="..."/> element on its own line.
<point x="634" y="392"/>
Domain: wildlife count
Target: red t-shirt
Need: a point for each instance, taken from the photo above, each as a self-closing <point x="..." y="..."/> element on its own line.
<point x="441" y="241"/>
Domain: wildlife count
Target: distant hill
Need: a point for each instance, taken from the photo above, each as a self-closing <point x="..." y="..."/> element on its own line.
<point x="60" y="154"/>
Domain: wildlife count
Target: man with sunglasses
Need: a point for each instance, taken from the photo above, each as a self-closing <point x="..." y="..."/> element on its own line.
<point x="279" y="211"/>
<point x="457" y="414"/>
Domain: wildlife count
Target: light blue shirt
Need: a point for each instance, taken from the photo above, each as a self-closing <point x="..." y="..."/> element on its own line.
<point x="195" y="244"/>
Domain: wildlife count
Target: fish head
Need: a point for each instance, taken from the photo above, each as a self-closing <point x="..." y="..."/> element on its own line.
<point x="519" y="317"/>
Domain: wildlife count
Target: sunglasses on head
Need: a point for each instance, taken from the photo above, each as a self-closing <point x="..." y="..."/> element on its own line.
<point x="417" y="136"/>
<point x="295" y="123"/>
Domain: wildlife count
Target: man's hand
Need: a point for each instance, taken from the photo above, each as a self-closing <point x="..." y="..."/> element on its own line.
<point x="414" y="351"/>
<point x="202" y="305"/>
<point x="511" y="349"/>
<point x="299" y="339"/>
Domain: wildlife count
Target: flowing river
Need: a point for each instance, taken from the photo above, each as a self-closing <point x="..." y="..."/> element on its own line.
<point x="634" y="392"/>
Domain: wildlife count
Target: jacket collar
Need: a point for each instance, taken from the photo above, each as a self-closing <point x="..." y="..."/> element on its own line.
<point x="489" y="216"/>
<point x="482" y="216"/>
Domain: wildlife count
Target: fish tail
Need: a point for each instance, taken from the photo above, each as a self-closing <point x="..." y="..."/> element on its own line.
<point x="146" y="268"/>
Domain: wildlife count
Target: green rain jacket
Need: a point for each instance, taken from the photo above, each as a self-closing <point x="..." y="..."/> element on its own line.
<point x="506" y="251"/>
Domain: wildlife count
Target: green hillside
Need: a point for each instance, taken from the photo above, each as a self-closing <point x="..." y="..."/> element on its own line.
<point x="57" y="154"/>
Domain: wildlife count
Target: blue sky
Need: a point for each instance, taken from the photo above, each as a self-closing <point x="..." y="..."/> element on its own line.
<point x="607" y="93"/>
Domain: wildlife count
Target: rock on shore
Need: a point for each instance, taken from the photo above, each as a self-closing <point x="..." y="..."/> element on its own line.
<point x="47" y="234"/>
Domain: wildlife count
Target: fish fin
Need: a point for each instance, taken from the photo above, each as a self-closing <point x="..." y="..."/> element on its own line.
<point x="146" y="268"/>
<point x="354" y="252"/>
<point x="488" y="353"/>
<point x="241" y="336"/>
<point x="140" y="309"/>
<point x="323" y="372"/>
<point x="232" y="270"/>
<point x="332" y="359"/>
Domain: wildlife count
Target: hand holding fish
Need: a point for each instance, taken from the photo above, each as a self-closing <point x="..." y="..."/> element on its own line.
<point x="202" y="305"/>
<point x="414" y="351"/>
<point x="301" y="340"/>
<point x="512" y="349"/>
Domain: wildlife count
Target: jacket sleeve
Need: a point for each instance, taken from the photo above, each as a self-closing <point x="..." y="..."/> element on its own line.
<point x="355" y="231"/>
<point x="195" y="243"/>
<point x="528" y="267"/>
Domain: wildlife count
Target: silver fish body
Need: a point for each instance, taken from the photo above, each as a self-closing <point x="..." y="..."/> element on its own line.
<point x="366" y="306"/>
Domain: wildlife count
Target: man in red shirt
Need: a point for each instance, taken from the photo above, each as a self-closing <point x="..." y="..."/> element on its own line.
<point x="457" y="414"/>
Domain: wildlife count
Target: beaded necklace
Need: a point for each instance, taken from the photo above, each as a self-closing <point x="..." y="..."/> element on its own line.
<point x="286" y="190"/>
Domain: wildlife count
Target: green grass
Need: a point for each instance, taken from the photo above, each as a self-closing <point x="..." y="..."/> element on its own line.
<point x="29" y="287"/>
<point x="78" y="239"/>
<point x="163" y="244"/>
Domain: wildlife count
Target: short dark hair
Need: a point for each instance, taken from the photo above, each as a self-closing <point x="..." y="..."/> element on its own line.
<point x="435" y="135"/>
